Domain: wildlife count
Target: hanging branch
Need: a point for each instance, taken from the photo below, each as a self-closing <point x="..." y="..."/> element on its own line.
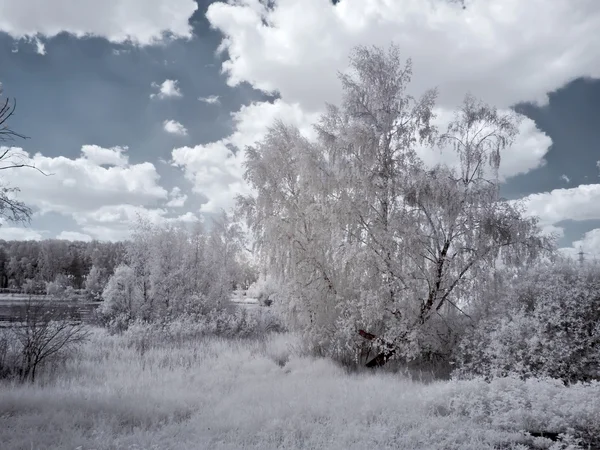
<point x="6" y="112"/>
<point x="11" y="209"/>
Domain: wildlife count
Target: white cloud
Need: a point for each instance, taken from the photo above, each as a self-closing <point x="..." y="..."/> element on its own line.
<point x="565" y="178"/>
<point x="297" y="48"/>
<point x="113" y="222"/>
<point x="211" y="99"/>
<point x="177" y="199"/>
<point x="589" y="244"/>
<point x="215" y="171"/>
<point x="578" y="203"/>
<point x="495" y="51"/>
<point x="80" y="187"/>
<point x="82" y="184"/>
<point x="174" y="127"/>
<point x="547" y="230"/>
<point x="139" y="22"/>
<point x="114" y="156"/>
<point x="167" y="89"/>
<point x="17" y="233"/>
<point x="74" y="236"/>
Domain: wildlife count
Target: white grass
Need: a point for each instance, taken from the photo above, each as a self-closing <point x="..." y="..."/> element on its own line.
<point x="263" y="394"/>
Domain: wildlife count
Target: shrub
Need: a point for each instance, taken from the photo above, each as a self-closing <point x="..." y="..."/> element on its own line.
<point x="550" y="327"/>
<point x="544" y="408"/>
<point x="238" y="323"/>
<point x="40" y="335"/>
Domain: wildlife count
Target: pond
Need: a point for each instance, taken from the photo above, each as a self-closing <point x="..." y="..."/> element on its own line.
<point x="12" y="308"/>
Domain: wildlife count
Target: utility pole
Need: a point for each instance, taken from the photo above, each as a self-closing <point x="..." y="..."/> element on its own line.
<point x="581" y="253"/>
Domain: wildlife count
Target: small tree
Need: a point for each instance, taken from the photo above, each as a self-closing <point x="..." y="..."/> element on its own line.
<point x="122" y="298"/>
<point x="95" y="282"/>
<point x="59" y="286"/>
<point x="41" y="332"/>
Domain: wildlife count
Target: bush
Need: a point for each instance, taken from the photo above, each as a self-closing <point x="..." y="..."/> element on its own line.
<point x="544" y="408"/>
<point x="549" y="327"/>
<point x="239" y="323"/>
<point x="40" y="335"/>
<point x="264" y="289"/>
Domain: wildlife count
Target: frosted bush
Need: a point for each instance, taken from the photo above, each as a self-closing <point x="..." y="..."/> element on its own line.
<point x="264" y="289"/>
<point x="549" y="326"/>
<point x="236" y="323"/>
<point x="537" y="406"/>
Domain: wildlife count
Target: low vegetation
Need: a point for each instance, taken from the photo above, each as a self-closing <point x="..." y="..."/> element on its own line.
<point x="191" y="391"/>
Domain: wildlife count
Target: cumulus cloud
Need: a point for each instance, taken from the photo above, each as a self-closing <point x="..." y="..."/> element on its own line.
<point x="74" y="236"/>
<point x="167" y="89"/>
<point x="493" y="48"/>
<point x="174" y="127"/>
<point x="139" y="22"/>
<point x="114" y="156"/>
<point x="589" y="244"/>
<point x="548" y="230"/>
<point x="215" y="170"/>
<point x="113" y="222"/>
<point x="17" y="233"/>
<point x="83" y="183"/>
<point x="211" y="99"/>
<point x="565" y="178"/>
<point x="296" y="49"/>
<point x="578" y="203"/>
<point x="526" y="153"/>
<point x="80" y="187"/>
<point x="177" y="199"/>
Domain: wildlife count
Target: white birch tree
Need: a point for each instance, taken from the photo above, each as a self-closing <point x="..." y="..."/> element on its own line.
<point x="362" y="236"/>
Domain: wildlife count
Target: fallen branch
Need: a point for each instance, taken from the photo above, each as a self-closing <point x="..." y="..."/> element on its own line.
<point x="383" y="357"/>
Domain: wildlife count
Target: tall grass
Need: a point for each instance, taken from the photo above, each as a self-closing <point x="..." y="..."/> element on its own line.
<point x="261" y="393"/>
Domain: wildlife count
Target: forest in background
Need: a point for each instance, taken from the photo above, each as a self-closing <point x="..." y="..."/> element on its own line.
<point x="27" y="266"/>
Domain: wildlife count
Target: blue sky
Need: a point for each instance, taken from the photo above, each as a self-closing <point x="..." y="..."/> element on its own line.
<point x="133" y="110"/>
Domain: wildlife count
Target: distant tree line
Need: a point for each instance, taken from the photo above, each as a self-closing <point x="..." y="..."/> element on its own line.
<point x="35" y="266"/>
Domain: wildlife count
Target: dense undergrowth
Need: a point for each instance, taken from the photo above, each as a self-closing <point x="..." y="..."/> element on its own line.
<point x="181" y="387"/>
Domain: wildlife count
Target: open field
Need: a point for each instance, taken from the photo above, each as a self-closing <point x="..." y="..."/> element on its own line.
<point x="212" y="393"/>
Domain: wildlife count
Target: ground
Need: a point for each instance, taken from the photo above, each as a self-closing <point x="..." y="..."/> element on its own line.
<point x="124" y="392"/>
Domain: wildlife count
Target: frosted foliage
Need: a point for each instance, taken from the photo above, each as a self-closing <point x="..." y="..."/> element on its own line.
<point x="550" y="326"/>
<point x="172" y="271"/>
<point x="362" y="236"/>
<point x="122" y="296"/>
<point x="170" y="390"/>
<point x="94" y="282"/>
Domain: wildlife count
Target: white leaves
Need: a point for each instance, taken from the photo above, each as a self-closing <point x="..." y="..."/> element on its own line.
<point x="361" y="233"/>
<point x="174" y="269"/>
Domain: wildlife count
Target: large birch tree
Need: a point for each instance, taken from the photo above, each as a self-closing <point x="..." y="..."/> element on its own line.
<point x="368" y="242"/>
